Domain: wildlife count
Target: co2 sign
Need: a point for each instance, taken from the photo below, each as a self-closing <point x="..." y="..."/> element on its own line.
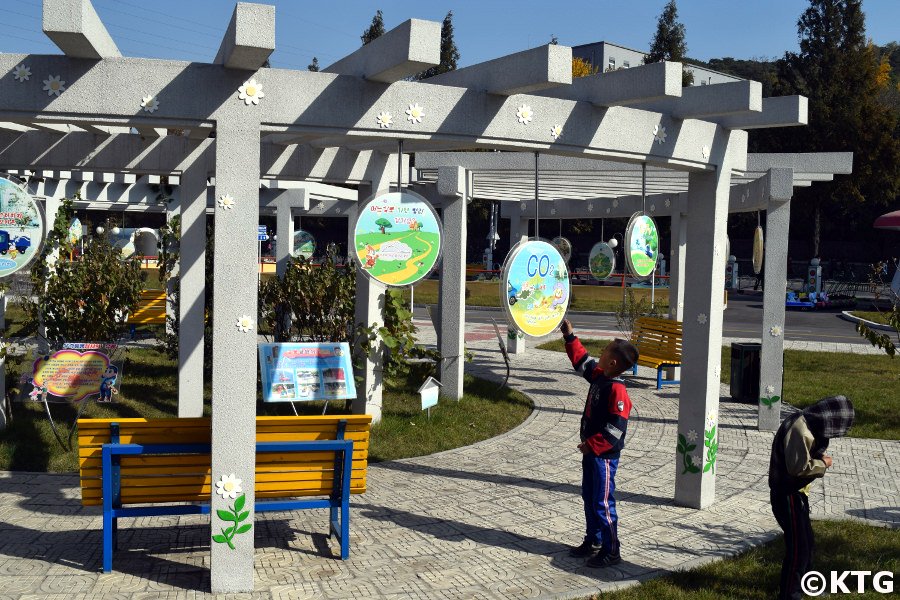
<point x="535" y="288"/>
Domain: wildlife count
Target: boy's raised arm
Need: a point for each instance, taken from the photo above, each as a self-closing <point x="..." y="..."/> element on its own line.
<point x="582" y="362"/>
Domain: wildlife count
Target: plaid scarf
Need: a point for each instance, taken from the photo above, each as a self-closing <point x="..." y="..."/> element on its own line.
<point x="830" y="417"/>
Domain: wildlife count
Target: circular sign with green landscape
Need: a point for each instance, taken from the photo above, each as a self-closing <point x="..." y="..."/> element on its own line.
<point x="304" y="244"/>
<point x="21" y="228"/>
<point x="641" y="245"/>
<point x="602" y="261"/>
<point x="564" y="246"/>
<point x="534" y="288"/>
<point x="397" y="238"/>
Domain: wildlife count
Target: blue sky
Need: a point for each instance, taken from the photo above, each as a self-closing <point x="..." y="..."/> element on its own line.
<point x="484" y="29"/>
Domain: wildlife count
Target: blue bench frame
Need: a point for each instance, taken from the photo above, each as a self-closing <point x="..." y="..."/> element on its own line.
<point x="338" y="502"/>
<point x="659" y="372"/>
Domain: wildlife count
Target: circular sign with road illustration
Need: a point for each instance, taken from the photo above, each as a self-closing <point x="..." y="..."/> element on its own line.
<point x="602" y="261"/>
<point x="641" y="245"/>
<point x="21" y="228"/>
<point x="535" y="288"/>
<point x="397" y="238"/>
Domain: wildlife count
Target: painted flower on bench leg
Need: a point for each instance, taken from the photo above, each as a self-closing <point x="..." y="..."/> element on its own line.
<point x="229" y="487"/>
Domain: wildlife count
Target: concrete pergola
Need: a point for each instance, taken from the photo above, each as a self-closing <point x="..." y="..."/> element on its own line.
<point x="342" y="126"/>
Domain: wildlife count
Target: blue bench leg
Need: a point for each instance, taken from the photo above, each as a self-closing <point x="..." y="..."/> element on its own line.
<point x="333" y="519"/>
<point x="345" y="504"/>
<point x="634" y="370"/>
<point x="659" y="378"/>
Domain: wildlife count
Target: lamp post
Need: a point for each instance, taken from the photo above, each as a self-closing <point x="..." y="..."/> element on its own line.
<point x="614" y="243"/>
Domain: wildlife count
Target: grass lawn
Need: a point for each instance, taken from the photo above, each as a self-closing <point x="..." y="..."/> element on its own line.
<point x="586" y="297"/>
<point x="148" y="388"/>
<point x="870" y="381"/>
<point x="753" y="575"/>
<point x="872" y="315"/>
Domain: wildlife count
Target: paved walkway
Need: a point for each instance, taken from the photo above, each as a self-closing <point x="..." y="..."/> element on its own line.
<point x="492" y="520"/>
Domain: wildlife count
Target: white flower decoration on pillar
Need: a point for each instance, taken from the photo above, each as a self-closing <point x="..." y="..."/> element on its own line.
<point x="692" y="436"/>
<point x="552" y="211"/>
<point x="415" y="113"/>
<point x="591" y="207"/>
<point x="615" y="203"/>
<point x="384" y="119"/>
<point x="770" y="389"/>
<point x="607" y="210"/>
<point x="226" y="202"/>
<point x="652" y="208"/>
<point x="659" y="134"/>
<point x="702" y="318"/>
<point x="251" y="92"/>
<point x="698" y="460"/>
<point x="710" y="420"/>
<point x="53" y="86"/>
<point x="668" y="203"/>
<point x="245" y="323"/>
<point x="743" y="197"/>
<point x="556" y="131"/>
<point x="22" y="73"/>
<point x="524" y="114"/>
<point x="716" y="372"/>
<point x="522" y="206"/>
<point x="775" y="331"/>
<point x="704" y="151"/>
<point x="150" y="104"/>
<point x="228" y="486"/>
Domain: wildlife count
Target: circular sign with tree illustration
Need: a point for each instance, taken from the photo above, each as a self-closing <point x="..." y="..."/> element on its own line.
<point x="641" y="245"/>
<point x="535" y="288"/>
<point x="397" y="238"/>
<point x="304" y="244"/>
<point x="564" y="246"/>
<point x="758" y="247"/>
<point x="602" y="261"/>
<point x="21" y="228"/>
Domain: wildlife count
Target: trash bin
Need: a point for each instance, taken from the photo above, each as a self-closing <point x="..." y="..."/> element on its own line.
<point x="745" y="372"/>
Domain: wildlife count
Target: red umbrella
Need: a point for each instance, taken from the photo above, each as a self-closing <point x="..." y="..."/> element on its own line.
<point x="890" y="220"/>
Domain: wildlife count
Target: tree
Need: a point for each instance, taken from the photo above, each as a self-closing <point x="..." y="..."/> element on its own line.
<point x="314" y="65"/>
<point x="383" y="223"/>
<point x="668" y="41"/>
<point x="449" y="52"/>
<point x="582" y="68"/>
<point x="375" y="30"/>
<point x="839" y="72"/>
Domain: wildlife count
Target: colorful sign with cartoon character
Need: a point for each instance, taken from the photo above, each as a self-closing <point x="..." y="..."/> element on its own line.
<point x="641" y="245"/>
<point x="535" y="288"/>
<point x="306" y="371"/>
<point x="21" y="228"/>
<point x="75" y="372"/>
<point x="602" y="261"/>
<point x="397" y="238"/>
<point x="304" y="244"/>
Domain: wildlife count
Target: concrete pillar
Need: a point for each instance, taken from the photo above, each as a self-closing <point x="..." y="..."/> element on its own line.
<point x="3" y="403"/>
<point x="235" y="357"/>
<point x="51" y="206"/>
<point x="173" y="208"/>
<point x="677" y="252"/>
<point x="451" y="341"/>
<point x="518" y="231"/>
<point x="192" y="285"/>
<point x="778" y="218"/>
<point x="370" y="297"/>
<point x="285" y="226"/>
<point x="698" y="403"/>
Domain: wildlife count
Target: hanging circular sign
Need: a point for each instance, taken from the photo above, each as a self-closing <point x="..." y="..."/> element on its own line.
<point x="21" y="228"/>
<point x="564" y="246"/>
<point x="758" y="250"/>
<point x="75" y="231"/>
<point x="535" y="288"/>
<point x="397" y="238"/>
<point x="602" y="261"/>
<point x="304" y="244"/>
<point x="641" y="245"/>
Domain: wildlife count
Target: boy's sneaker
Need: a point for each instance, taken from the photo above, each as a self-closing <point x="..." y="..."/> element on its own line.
<point x="604" y="559"/>
<point x="585" y="549"/>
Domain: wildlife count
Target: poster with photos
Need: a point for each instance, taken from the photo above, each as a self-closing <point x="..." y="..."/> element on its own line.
<point x="297" y="372"/>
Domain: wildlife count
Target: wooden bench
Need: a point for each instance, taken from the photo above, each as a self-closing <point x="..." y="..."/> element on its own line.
<point x="128" y="462"/>
<point x="151" y="310"/>
<point x="659" y="344"/>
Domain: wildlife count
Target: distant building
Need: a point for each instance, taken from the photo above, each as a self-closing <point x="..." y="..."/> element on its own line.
<point x="606" y="56"/>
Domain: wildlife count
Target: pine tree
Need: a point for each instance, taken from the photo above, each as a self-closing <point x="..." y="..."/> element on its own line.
<point x="668" y="41"/>
<point x="449" y="52"/>
<point x="375" y="30"/>
<point x="839" y="72"/>
<point x="314" y="65"/>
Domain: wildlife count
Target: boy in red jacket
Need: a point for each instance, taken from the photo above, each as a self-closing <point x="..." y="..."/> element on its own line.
<point x="603" y="425"/>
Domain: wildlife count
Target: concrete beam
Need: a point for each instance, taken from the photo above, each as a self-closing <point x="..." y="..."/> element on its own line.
<point x="653" y="82"/>
<point x="783" y="111"/>
<point x="706" y="101"/>
<point x="250" y="37"/>
<point x="837" y="163"/>
<point x="73" y="25"/>
<point x="524" y="72"/>
<point x="405" y="50"/>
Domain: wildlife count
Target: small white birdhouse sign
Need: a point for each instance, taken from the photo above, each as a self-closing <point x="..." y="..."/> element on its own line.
<point x="429" y="393"/>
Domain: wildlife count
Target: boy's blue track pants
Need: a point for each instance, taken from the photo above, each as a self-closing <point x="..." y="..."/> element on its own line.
<point x="597" y="487"/>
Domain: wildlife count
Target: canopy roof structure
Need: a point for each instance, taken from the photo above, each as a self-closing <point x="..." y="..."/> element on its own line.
<point x="240" y="137"/>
